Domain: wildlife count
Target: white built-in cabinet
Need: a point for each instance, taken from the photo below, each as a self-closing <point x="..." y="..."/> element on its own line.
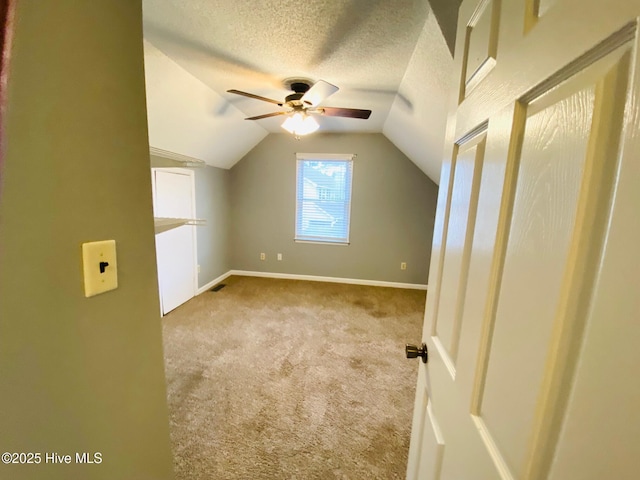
<point x="174" y="216"/>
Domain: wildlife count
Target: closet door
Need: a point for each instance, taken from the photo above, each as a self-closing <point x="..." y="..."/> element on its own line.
<point x="175" y="248"/>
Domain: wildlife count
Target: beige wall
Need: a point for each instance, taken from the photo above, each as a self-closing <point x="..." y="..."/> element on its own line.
<point x="78" y="374"/>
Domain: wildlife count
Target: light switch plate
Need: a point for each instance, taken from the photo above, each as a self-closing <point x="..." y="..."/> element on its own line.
<point x="100" y="267"/>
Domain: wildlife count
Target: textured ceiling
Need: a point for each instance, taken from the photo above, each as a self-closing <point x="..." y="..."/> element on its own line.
<point x="362" y="46"/>
<point x="388" y="56"/>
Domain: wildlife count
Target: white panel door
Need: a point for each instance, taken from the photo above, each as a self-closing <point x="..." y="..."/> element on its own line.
<point x="533" y="314"/>
<point x="175" y="249"/>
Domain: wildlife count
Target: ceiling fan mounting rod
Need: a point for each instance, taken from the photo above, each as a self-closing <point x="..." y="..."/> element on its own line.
<point x="300" y="87"/>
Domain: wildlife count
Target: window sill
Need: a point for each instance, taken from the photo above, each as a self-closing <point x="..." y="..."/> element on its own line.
<point x="320" y="242"/>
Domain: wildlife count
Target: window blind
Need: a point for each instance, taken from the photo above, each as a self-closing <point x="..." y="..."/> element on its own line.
<point x="323" y="197"/>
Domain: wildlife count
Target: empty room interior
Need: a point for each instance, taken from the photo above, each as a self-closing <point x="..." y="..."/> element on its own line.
<point x="347" y="209"/>
<point x="350" y="239"/>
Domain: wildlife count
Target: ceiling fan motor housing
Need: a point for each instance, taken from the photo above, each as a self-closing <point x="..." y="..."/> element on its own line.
<point x="294" y="99"/>
<point x="299" y="87"/>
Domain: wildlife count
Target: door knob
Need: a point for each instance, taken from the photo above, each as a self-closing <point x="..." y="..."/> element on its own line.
<point x="412" y="352"/>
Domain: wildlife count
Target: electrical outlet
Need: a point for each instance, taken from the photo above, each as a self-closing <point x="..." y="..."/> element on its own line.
<point x="198" y="268"/>
<point x="263" y="256"/>
<point x="279" y="256"/>
<point x="403" y="266"/>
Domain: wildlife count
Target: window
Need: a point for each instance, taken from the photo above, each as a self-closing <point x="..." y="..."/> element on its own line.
<point x="323" y="197"/>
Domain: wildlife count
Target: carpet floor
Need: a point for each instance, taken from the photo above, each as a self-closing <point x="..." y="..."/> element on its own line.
<point x="283" y="379"/>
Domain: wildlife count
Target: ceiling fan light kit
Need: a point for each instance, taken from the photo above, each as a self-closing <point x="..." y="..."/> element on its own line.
<point x="302" y="103"/>
<point x="300" y="124"/>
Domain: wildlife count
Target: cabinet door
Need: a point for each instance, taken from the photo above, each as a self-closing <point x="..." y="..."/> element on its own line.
<point x="175" y="248"/>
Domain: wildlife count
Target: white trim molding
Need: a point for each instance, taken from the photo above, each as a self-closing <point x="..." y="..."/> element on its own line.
<point x="213" y="282"/>
<point x="183" y="160"/>
<point x="314" y="278"/>
<point x="325" y="156"/>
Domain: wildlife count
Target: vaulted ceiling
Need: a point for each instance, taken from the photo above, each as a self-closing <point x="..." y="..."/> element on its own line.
<point x="389" y="56"/>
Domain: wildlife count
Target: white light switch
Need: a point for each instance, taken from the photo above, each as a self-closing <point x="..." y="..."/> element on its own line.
<point x="100" y="267"/>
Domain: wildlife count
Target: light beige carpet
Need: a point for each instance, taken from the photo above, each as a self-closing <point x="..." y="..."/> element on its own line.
<point x="282" y="379"/>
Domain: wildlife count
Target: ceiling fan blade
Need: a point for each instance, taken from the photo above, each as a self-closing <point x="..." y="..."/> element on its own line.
<point x="318" y="93"/>
<point x="257" y="97"/>
<point x="345" y="112"/>
<point x="266" y="115"/>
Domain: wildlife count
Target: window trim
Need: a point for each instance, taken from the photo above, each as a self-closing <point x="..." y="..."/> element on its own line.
<point x="319" y="157"/>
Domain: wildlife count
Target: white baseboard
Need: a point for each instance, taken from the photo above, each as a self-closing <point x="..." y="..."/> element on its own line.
<point x="213" y="283"/>
<point x="314" y="278"/>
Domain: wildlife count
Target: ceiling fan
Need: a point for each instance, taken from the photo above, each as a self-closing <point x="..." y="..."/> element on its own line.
<point x="304" y="101"/>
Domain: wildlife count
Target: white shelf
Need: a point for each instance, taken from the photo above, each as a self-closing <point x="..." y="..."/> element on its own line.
<point x="166" y="159"/>
<point x="162" y="224"/>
